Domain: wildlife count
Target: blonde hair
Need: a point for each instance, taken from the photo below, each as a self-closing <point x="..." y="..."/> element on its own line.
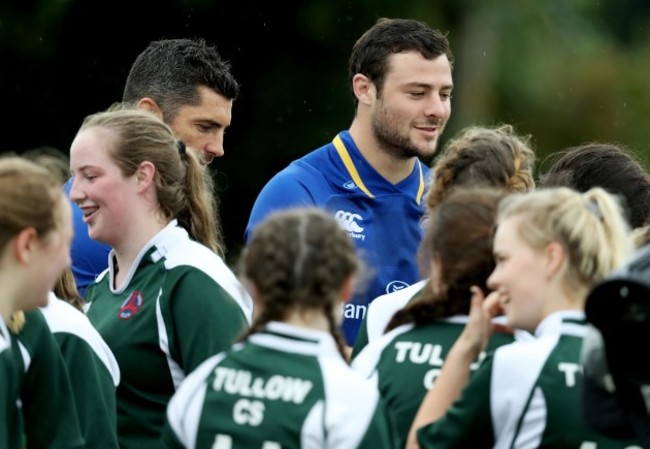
<point x="590" y="226"/>
<point x="66" y="289"/>
<point x="30" y="197"/>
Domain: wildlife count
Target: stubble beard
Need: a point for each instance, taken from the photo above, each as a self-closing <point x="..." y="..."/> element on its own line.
<point x="386" y="130"/>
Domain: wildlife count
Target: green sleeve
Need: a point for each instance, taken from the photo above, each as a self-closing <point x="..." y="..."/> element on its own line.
<point x="468" y="423"/>
<point x="381" y="432"/>
<point x="11" y="424"/>
<point x="94" y="392"/>
<point x="169" y="440"/>
<point x="205" y="319"/>
<point x="362" y="338"/>
<point x="50" y="414"/>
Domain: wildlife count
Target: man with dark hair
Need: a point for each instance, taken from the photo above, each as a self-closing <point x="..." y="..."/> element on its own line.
<point x="188" y="85"/>
<point x="370" y="177"/>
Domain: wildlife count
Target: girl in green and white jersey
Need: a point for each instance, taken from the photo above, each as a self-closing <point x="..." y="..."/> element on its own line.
<point x="35" y="234"/>
<point x="551" y="247"/>
<point x="167" y="301"/>
<point x="405" y="361"/>
<point x="286" y="384"/>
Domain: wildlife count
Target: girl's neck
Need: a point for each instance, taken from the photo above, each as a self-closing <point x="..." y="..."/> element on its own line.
<point x="310" y="319"/>
<point x="127" y="251"/>
<point x="11" y="290"/>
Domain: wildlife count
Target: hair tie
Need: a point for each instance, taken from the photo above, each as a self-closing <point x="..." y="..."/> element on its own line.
<point x="181" y="147"/>
<point x="593" y="207"/>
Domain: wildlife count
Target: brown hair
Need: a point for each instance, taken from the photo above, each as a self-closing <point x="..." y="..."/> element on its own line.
<point x="66" y="289"/>
<point x="486" y="157"/>
<point x="371" y="52"/>
<point x="459" y="236"/>
<point x="184" y="189"/>
<point x="607" y="165"/>
<point x="299" y="258"/>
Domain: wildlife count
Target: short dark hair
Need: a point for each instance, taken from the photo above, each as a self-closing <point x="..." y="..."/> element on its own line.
<point x="388" y="36"/>
<point x="169" y="71"/>
<point x="607" y="165"/>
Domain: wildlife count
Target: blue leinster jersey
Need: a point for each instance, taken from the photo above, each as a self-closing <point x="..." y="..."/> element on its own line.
<point x="382" y="218"/>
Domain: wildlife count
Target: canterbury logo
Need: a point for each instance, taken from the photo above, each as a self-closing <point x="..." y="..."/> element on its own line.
<point x="348" y="221"/>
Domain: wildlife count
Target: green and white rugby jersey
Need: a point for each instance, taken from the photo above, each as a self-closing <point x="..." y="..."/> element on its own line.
<point x="283" y="388"/>
<point x="48" y="403"/>
<point x="93" y="370"/>
<point x="11" y="424"/>
<point x="527" y="395"/>
<point x="405" y="362"/>
<point x="179" y="305"/>
<point x="380" y="311"/>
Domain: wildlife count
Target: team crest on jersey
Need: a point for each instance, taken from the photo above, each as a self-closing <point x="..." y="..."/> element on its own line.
<point x="131" y="306"/>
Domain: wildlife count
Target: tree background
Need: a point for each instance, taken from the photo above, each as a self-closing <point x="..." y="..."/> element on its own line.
<point x="564" y="71"/>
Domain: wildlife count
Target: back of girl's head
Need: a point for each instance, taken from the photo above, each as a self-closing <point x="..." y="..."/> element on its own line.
<point x="610" y="166"/>
<point x="590" y="226"/>
<point x="29" y="197"/>
<point x="299" y="259"/>
<point x="485" y="157"/>
<point x="184" y="189"/>
<point x="459" y="238"/>
<point x="57" y="163"/>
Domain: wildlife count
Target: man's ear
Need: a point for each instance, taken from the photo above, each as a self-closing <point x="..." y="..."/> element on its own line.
<point x="149" y="104"/>
<point x="23" y="245"/>
<point x="555" y="256"/>
<point x="363" y="89"/>
<point x="145" y="175"/>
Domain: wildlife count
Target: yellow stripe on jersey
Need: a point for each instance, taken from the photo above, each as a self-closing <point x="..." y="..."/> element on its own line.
<point x="347" y="161"/>
<point x="352" y="170"/>
<point x="418" y="197"/>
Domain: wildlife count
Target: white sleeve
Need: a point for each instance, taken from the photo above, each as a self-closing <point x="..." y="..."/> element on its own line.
<point x="184" y="408"/>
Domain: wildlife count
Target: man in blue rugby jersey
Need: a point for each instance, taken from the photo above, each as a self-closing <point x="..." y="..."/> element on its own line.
<point x="370" y="176"/>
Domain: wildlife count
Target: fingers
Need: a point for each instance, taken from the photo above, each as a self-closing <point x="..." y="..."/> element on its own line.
<point x="477" y="293"/>
<point x="485" y="309"/>
<point x="493" y="304"/>
<point x="493" y="307"/>
<point x="476" y="304"/>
